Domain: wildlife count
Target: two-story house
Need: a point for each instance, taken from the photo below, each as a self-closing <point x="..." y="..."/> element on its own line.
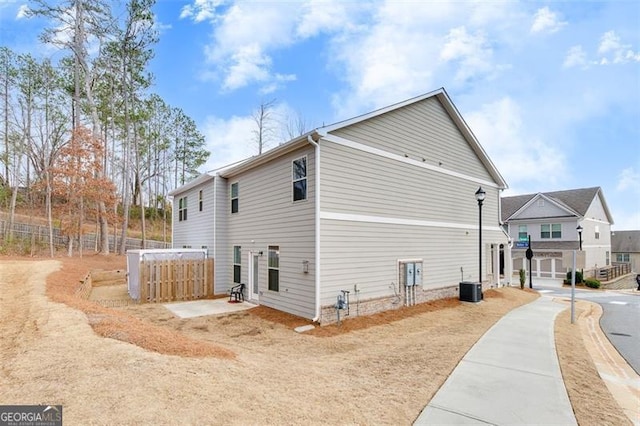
<point x="557" y="222"/>
<point x="379" y="209"/>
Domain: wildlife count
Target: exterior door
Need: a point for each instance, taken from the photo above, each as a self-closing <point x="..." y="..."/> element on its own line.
<point x="254" y="270"/>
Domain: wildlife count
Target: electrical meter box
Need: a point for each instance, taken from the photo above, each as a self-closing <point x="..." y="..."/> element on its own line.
<point x="411" y="273"/>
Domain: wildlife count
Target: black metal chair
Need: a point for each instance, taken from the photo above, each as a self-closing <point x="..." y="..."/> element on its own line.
<point x="236" y="294"/>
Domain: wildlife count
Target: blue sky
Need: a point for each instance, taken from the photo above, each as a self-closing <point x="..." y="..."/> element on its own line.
<point x="551" y="89"/>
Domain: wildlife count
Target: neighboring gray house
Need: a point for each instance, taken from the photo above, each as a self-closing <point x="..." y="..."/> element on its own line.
<point x="365" y="206"/>
<point x="625" y="248"/>
<point x="552" y="220"/>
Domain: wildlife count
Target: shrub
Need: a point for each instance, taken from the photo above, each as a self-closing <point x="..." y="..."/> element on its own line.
<point x="579" y="277"/>
<point x="523" y="278"/>
<point x="592" y="283"/>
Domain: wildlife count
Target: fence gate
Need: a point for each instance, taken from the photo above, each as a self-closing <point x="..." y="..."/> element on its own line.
<point x="176" y="279"/>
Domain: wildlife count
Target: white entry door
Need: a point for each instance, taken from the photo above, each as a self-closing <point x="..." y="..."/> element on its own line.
<point x="254" y="270"/>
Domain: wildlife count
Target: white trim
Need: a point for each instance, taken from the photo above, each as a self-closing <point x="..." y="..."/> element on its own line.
<point x="400" y="221"/>
<point x="604" y="222"/>
<point x="252" y="255"/>
<point x="376" y="151"/>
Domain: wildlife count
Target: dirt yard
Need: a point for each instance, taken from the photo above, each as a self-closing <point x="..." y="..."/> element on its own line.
<point x="253" y="369"/>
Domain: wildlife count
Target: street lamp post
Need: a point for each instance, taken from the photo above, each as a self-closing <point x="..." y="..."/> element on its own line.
<point x="579" y="228"/>
<point x="480" y="194"/>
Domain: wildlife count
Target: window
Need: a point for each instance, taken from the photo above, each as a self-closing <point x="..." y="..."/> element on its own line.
<point x="523" y="235"/>
<point x="607" y="258"/>
<point x="597" y="230"/>
<point x="200" y="200"/>
<point x="234" y="197"/>
<point x="540" y="202"/>
<point x="237" y="264"/>
<point x="551" y="231"/>
<point x="274" y="268"/>
<point x="182" y="209"/>
<point x="299" y="175"/>
<point x="622" y="257"/>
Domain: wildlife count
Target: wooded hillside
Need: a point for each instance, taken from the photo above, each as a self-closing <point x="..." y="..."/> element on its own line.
<point x="85" y="138"/>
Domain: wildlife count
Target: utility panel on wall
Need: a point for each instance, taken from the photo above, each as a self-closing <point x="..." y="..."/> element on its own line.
<point x="411" y="273"/>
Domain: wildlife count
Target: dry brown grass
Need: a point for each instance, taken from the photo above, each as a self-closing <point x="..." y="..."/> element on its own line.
<point x="106" y="322"/>
<point x="381" y="369"/>
<point x="592" y="402"/>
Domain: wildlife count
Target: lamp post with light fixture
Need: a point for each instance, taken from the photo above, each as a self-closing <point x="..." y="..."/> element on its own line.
<point x="579" y="229"/>
<point x="480" y="194"/>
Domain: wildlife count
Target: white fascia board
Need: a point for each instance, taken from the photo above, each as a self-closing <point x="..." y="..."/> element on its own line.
<point x="205" y="177"/>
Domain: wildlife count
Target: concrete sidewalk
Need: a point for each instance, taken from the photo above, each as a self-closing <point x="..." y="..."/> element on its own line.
<point x="510" y="376"/>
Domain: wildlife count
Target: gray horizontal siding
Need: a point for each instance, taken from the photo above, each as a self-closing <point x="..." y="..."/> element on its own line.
<point x="268" y="216"/>
<point x="358" y="182"/>
<point x="366" y="254"/>
<point x="420" y="130"/>
<point x="197" y="230"/>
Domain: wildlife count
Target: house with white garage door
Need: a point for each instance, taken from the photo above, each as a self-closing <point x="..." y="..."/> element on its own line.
<point x="559" y="222"/>
<point x="379" y="210"/>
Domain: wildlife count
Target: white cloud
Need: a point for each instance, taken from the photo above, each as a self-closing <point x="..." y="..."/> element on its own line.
<point x="231" y="140"/>
<point x="228" y="140"/>
<point x="200" y="10"/>
<point x="243" y="37"/>
<point x="546" y="21"/>
<point x="22" y="11"/>
<point x="471" y="52"/>
<point x="629" y="179"/>
<point x="613" y="50"/>
<point x="523" y="158"/>
<point x="576" y="57"/>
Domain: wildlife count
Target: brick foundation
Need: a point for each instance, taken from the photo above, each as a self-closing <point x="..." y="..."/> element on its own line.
<point x="386" y="303"/>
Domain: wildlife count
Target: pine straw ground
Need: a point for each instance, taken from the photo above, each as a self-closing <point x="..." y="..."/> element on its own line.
<point x="247" y="367"/>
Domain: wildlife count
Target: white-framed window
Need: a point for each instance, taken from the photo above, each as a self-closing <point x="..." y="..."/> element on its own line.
<point x="523" y="235"/>
<point x="299" y="178"/>
<point x="235" y="207"/>
<point x="237" y="264"/>
<point x="622" y="257"/>
<point x="182" y="209"/>
<point x="550" y="230"/>
<point x="274" y="268"/>
<point x="597" y="232"/>
<point x="607" y="258"/>
<point x="200" y="200"/>
<point x="540" y="202"/>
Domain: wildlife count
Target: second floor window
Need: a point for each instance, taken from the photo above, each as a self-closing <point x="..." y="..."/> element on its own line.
<point x="522" y="233"/>
<point x="200" y="200"/>
<point x="553" y="230"/>
<point x="597" y="232"/>
<point x="299" y="176"/>
<point x="182" y="209"/>
<point x="234" y="198"/>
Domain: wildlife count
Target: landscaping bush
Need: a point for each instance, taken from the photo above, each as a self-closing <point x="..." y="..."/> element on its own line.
<point x="523" y="277"/>
<point x="592" y="283"/>
<point x="579" y="277"/>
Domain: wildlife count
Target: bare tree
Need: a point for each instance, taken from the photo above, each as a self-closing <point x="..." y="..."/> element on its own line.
<point x="295" y="125"/>
<point x="265" y="122"/>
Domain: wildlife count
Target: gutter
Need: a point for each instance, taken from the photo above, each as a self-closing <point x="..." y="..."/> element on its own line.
<point x="313" y="142"/>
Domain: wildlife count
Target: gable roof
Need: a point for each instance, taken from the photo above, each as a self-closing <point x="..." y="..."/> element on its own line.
<point x="625" y="242"/>
<point x="316" y="135"/>
<point x="576" y="200"/>
<point x="205" y="177"/>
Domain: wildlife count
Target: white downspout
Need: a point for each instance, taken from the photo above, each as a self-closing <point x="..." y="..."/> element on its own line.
<point x="317" y="224"/>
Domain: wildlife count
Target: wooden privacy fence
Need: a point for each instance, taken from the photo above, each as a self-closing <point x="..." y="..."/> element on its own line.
<point x="176" y="279"/>
<point x="614" y="271"/>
